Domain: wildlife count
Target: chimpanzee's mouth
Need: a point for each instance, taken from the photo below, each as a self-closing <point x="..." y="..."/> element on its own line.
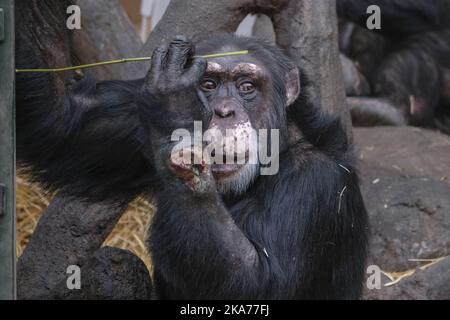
<point x="229" y="166"/>
<point x="223" y="170"/>
<point x="226" y="168"/>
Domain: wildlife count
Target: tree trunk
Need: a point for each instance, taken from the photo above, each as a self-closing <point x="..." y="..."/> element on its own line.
<point x="307" y="30"/>
<point x="107" y="34"/>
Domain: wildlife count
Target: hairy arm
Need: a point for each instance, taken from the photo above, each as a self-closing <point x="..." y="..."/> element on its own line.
<point x="85" y="141"/>
<point x="199" y="251"/>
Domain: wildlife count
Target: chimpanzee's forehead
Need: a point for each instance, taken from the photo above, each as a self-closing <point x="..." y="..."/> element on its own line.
<point x="227" y="69"/>
<point x="206" y="49"/>
<point x="236" y="64"/>
<point x="262" y="56"/>
<point x="261" y="53"/>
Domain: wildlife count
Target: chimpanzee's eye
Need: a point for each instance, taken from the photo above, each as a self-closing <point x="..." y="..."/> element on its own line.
<point x="246" y="87"/>
<point x="208" y="85"/>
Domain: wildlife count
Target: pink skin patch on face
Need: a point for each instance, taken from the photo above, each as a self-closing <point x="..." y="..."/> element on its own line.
<point x="234" y="141"/>
<point x="214" y="67"/>
<point x="248" y="69"/>
<point x="244" y="68"/>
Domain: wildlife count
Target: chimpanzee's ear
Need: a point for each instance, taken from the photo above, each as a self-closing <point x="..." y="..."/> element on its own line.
<point x="292" y="86"/>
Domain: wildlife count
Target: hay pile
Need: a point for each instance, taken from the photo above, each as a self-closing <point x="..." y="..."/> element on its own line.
<point x="130" y="233"/>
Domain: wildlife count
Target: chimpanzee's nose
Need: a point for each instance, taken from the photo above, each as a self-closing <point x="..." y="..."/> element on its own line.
<point x="225" y="110"/>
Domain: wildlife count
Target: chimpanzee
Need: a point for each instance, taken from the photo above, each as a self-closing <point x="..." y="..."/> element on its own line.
<point x="221" y="231"/>
<point x="406" y="62"/>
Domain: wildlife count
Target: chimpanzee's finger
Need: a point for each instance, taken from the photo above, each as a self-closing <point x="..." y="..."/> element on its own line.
<point x="180" y="50"/>
<point x="157" y="66"/>
<point x="207" y="113"/>
<point x="159" y="60"/>
<point x="195" y="72"/>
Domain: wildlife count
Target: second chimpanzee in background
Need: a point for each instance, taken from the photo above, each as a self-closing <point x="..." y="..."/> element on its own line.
<point x="406" y="62"/>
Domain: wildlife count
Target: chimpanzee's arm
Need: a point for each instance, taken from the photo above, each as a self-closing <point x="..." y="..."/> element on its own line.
<point x="375" y="112"/>
<point x="200" y="251"/>
<point x="292" y="236"/>
<point x="399" y="18"/>
<point x="86" y="141"/>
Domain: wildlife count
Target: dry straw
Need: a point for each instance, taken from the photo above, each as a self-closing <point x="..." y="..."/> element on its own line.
<point x="130" y="232"/>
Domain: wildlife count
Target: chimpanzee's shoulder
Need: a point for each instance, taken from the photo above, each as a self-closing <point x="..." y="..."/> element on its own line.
<point x="328" y="150"/>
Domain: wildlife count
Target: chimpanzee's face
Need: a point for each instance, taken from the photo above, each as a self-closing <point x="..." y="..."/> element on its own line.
<point x="235" y="92"/>
<point x="240" y="99"/>
<point x="240" y="93"/>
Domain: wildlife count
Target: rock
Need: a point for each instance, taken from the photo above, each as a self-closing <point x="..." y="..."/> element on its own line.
<point x="405" y="180"/>
<point x="410" y="151"/>
<point x="409" y="218"/>
<point x="114" y="273"/>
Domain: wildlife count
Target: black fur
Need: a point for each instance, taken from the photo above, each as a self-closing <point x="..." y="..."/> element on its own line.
<point x="87" y="142"/>
<point x="307" y="224"/>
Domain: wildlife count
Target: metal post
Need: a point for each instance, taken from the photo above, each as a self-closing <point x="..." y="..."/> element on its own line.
<point x="7" y="153"/>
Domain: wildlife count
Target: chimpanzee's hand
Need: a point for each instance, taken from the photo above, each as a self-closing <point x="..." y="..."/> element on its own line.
<point x="195" y="173"/>
<point x="173" y="83"/>
<point x="175" y="102"/>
